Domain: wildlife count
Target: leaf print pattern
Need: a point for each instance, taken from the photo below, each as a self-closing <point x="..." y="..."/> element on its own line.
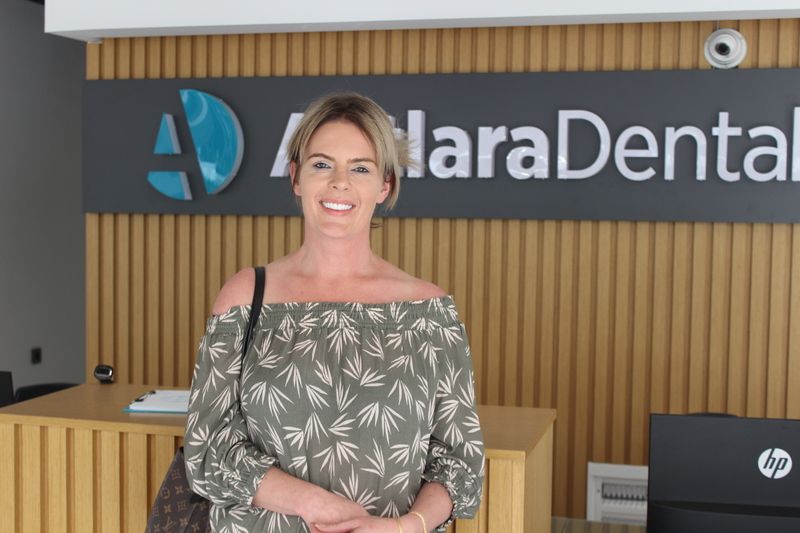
<point x="351" y="491"/>
<point x="377" y="461"/>
<point x="368" y="401"/>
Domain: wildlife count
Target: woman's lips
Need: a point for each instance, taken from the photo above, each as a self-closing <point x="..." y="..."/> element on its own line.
<point x="337" y="207"/>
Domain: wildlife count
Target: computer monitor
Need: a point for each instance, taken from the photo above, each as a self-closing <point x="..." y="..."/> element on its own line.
<point x="723" y="474"/>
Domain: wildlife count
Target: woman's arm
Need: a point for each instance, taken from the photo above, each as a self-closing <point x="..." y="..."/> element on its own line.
<point x="286" y="494"/>
<point x="222" y="463"/>
<point x="432" y="503"/>
<point x="455" y="451"/>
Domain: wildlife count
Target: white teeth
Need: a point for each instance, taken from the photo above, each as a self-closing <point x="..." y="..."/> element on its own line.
<point x="337" y="207"/>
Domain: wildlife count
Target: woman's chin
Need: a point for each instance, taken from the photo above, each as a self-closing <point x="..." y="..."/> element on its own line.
<point x="336" y="229"/>
<point x="338" y="226"/>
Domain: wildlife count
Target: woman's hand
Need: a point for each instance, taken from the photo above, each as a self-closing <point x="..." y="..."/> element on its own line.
<point x="324" y="507"/>
<point x="369" y="524"/>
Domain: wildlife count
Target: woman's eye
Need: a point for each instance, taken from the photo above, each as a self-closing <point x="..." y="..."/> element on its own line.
<point x="361" y="169"/>
<point x="321" y="164"/>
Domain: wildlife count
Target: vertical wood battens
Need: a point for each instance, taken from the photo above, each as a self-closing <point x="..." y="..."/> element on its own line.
<point x="107" y="275"/>
<point x="168" y="284"/>
<point x="605" y="321"/>
<point x="135" y="486"/>
<point x="33" y="470"/>
<point x="93" y="281"/>
<point x="109" y="481"/>
<point x="79" y="480"/>
<point x="55" y="480"/>
<point x="793" y="363"/>
<point x="122" y="353"/>
<point x="9" y="471"/>
<point x="138" y="319"/>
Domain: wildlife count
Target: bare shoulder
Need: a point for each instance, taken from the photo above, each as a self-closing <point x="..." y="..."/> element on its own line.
<point x="425" y="290"/>
<point x="407" y="287"/>
<point x="238" y="290"/>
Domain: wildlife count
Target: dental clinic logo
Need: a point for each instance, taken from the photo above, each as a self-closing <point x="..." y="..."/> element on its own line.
<point x="218" y="145"/>
<point x="775" y="463"/>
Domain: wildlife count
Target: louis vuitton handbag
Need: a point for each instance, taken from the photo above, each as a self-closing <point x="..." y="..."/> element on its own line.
<point x="176" y="508"/>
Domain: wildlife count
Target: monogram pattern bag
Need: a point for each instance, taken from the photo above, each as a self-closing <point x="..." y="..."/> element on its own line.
<point x="176" y="508"/>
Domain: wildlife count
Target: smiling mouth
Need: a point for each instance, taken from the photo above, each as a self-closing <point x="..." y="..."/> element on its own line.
<point x="337" y="206"/>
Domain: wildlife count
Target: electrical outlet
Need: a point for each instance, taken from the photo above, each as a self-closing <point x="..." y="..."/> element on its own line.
<point x="36" y="356"/>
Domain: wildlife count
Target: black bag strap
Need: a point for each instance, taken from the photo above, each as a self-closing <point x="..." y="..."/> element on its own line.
<point x="255" y="308"/>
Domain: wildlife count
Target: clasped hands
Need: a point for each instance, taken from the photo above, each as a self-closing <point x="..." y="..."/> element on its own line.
<point x="331" y="513"/>
<point x="367" y="524"/>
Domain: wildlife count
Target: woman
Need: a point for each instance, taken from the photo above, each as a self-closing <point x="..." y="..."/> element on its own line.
<point x="356" y="411"/>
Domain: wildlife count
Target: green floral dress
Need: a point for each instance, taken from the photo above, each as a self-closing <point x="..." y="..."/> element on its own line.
<point x="364" y="400"/>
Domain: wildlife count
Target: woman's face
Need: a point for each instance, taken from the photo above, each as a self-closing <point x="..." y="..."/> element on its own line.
<point x="338" y="182"/>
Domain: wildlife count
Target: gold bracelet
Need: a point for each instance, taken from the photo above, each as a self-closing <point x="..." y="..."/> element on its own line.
<point x="424" y="525"/>
<point x="399" y="525"/>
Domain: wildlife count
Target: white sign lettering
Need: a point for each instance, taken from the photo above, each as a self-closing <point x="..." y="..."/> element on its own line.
<point x="453" y="155"/>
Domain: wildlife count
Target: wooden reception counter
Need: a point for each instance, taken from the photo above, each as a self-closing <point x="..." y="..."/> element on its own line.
<point x="72" y="461"/>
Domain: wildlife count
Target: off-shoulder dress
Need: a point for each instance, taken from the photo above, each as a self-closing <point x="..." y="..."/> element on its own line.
<point x="365" y="400"/>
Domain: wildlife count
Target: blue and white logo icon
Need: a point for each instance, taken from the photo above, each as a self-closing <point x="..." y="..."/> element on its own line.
<point x="218" y="144"/>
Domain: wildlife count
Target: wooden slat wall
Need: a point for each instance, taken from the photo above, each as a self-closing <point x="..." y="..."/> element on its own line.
<point x="74" y="480"/>
<point x="604" y="321"/>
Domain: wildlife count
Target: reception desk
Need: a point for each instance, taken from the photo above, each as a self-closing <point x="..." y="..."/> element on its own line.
<point x="72" y="461"/>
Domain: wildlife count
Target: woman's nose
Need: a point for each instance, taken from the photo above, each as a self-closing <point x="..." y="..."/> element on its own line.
<point x="340" y="180"/>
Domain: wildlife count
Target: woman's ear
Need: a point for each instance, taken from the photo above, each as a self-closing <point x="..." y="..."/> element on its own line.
<point x="293" y="177"/>
<point x="386" y="188"/>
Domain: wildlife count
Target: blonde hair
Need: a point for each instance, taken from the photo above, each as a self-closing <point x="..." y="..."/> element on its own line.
<point x="371" y="119"/>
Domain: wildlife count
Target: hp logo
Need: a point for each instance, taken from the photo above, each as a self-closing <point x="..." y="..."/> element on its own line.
<point x="775" y="463"/>
<point x="218" y="144"/>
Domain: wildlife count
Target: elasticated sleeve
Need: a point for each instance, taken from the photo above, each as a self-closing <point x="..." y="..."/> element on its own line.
<point x="222" y="463"/>
<point x="456" y="451"/>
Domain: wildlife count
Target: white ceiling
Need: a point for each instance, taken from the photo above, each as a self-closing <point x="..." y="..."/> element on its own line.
<point x="90" y="20"/>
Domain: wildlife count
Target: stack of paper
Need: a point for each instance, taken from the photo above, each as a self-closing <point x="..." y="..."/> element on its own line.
<point x="160" y="401"/>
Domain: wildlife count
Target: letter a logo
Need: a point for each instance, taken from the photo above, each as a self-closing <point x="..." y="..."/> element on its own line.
<point x="218" y="145"/>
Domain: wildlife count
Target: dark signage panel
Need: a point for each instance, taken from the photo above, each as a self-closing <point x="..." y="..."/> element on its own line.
<point x="666" y="145"/>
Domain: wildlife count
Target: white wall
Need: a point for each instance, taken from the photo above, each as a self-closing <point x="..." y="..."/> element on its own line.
<point x="41" y="223"/>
